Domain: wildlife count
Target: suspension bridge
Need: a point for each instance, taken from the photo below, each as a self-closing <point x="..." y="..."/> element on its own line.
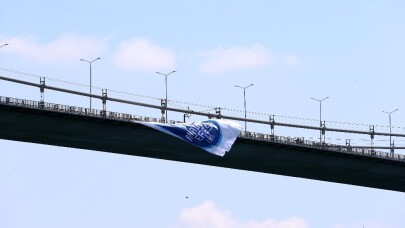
<point x="37" y="121"/>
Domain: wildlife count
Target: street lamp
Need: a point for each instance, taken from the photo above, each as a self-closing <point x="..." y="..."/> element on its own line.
<point x="184" y="117"/>
<point x="3" y="45"/>
<point x="244" y="99"/>
<point x="90" y="62"/>
<point x="389" y="118"/>
<point x="320" y="115"/>
<point x="166" y="89"/>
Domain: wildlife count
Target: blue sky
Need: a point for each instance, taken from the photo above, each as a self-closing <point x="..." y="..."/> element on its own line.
<point x="352" y="52"/>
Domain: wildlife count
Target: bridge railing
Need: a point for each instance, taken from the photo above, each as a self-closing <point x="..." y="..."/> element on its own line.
<point x="76" y="110"/>
<point x="301" y="142"/>
<point x="295" y="141"/>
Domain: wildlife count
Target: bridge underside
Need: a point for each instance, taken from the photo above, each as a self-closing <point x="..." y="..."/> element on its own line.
<point x="92" y="133"/>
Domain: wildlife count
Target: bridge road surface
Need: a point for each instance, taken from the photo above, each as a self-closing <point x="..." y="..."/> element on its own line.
<point x="114" y="136"/>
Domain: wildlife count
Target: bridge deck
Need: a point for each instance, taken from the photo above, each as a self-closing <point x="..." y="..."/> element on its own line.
<point x="99" y="134"/>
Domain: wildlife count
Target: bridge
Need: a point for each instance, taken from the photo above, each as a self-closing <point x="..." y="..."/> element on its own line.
<point x="101" y="130"/>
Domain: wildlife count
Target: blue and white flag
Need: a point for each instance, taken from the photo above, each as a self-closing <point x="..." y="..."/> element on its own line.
<point x="215" y="136"/>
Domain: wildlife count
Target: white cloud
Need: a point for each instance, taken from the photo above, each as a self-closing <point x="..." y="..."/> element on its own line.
<point x="207" y="215"/>
<point x="236" y="58"/>
<point x="141" y="54"/>
<point x="65" y="49"/>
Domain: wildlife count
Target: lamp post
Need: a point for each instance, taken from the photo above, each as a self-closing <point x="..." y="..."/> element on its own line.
<point x="389" y="119"/>
<point x="165" y="75"/>
<point x="244" y="99"/>
<point x="90" y="62"/>
<point x="320" y="115"/>
<point x="3" y="45"/>
<point x="184" y="117"/>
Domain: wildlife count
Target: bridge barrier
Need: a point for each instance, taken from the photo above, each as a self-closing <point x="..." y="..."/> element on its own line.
<point x="298" y="141"/>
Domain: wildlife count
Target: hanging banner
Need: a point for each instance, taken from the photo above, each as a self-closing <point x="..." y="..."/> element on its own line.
<point x="215" y="136"/>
